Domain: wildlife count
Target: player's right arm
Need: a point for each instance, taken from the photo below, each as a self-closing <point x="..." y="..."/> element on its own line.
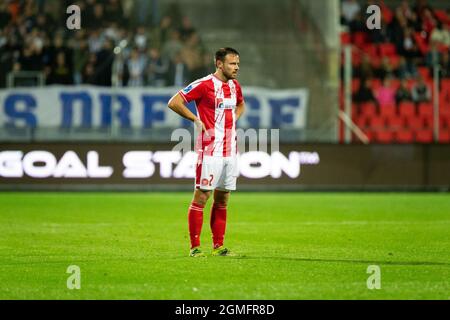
<point x="176" y="103"/>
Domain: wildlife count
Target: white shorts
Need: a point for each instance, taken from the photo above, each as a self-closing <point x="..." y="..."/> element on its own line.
<point x="216" y="173"/>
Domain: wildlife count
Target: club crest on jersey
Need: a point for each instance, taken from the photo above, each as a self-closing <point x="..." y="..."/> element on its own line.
<point x="188" y="89"/>
<point x="224" y="104"/>
<point x="205" y="182"/>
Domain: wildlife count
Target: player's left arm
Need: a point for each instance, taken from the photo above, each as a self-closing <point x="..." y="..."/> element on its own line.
<point x="240" y="108"/>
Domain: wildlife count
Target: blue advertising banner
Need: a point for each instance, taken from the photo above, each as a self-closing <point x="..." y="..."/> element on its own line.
<point x="96" y="107"/>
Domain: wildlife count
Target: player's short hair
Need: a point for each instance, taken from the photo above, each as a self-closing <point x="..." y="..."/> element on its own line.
<point x="222" y="52"/>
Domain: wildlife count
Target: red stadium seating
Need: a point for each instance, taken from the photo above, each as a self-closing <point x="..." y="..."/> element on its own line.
<point x="407" y="109"/>
<point x="414" y="123"/>
<point x="424" y="136"/>
<point x="444" y="122"/>
<point x="371" y="50"/>
<point x="368" y="109"/>
<point x="387" y="50"/>
<point x="388" y="110"/>
<point x="395" y="123"/>
<point x="424" y="72"/>
<point x="360" y="38"/>
<point x="385" y="136"/>
<point x="345" y="38"/>
<point x="428" y="121"/>
<point x="421" y="43"/>
<point x="377" y="123"/>
<point x="361" y="122"/>
<point x="425" y="109"/>
<point x="444" y="136"/>
<point x="404" y="136"/>
<point x="442" y="16"/>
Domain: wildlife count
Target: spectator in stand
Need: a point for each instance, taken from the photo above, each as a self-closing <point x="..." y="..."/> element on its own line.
<point x="178" y="73"/>
<point x="357" y="24"/>
<point x="365" y="92"/>
<point x="165" y="26"/>
<point x="105" y="57"/>
<point x="157" y="68"/>
<point x="5" y="16"/>
<point x="428" y="22"/>
<point x="410" y="50"/>
<point x="420" y="7"/>
<point x="386" y="69"/>
<point x="113" y="12"/>
<point x="136" y="67"/>
<point x="192" y="53"/>
<point x="406" y="70"/>
<point x="141" y="39"/>
<point x="440" y="36"/>
<point x="403" y="93"/>
<point x="365" y="69"/>
<point x="349" y="11"/>
<point x="420" y="91"/>
<point x="186" y="29"/>
<point x="433" y="56"/>
<point x="381" y="35"/>
<point x="406" y="11"/>
<point x="61" y="72"/>
<point x="173" y="46"/>
<point x="386" y="94"/>
<point x="207" y="66"/>
<point x="80" y="58"/>
<point x="445" y="65"/>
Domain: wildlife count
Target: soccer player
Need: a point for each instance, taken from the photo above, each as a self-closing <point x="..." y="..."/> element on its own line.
<point x="219" y="103"/>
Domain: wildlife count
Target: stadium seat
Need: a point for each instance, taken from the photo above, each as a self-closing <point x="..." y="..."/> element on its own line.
<point x="425" y="108"/>
<point x="395" y="61"/>
<point x="424" y="72"/>
<point x="345" y="38"/>
<point x="441" y="15"/>
<point x="428" y="121"/>
<point x="424" y="136"/>
<point x="359" y="38"/>
<point x="444" y="121"/>
<point x="387" y="50"/>
<point x="388" y="110"/>
<point x="404" y="136"/>
<point x="368" y="109"/>
<point x="369" y="133"/>
<point x="384" y="136"/>
<point x="421" y="43"/>
<point x="395" y="123"/>
<point x="371" y="50"/>
<point x="415" y="123"/>
<point x="361" y="121"/>
<point x="395" y="84"/>
<point x="407" y="109"/>
<point x="377" y="123"/>
<point x="444" y="136"/>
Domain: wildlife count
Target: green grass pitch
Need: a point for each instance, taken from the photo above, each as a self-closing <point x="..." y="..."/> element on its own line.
<point x="293" y="246"/>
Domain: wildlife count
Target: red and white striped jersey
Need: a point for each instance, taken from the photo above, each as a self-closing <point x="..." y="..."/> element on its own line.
<point x="216" y="103"/>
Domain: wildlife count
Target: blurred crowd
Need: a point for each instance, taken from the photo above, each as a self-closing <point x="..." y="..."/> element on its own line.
<point x="419" y="38"/>
<point x="121" y="42"/>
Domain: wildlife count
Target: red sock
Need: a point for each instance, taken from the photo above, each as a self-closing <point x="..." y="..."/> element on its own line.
<point x="195" y="217"/>
<point x="218" y="223"/>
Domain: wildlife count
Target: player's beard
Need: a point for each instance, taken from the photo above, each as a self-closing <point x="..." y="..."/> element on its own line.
<point x="229" y="75"/>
